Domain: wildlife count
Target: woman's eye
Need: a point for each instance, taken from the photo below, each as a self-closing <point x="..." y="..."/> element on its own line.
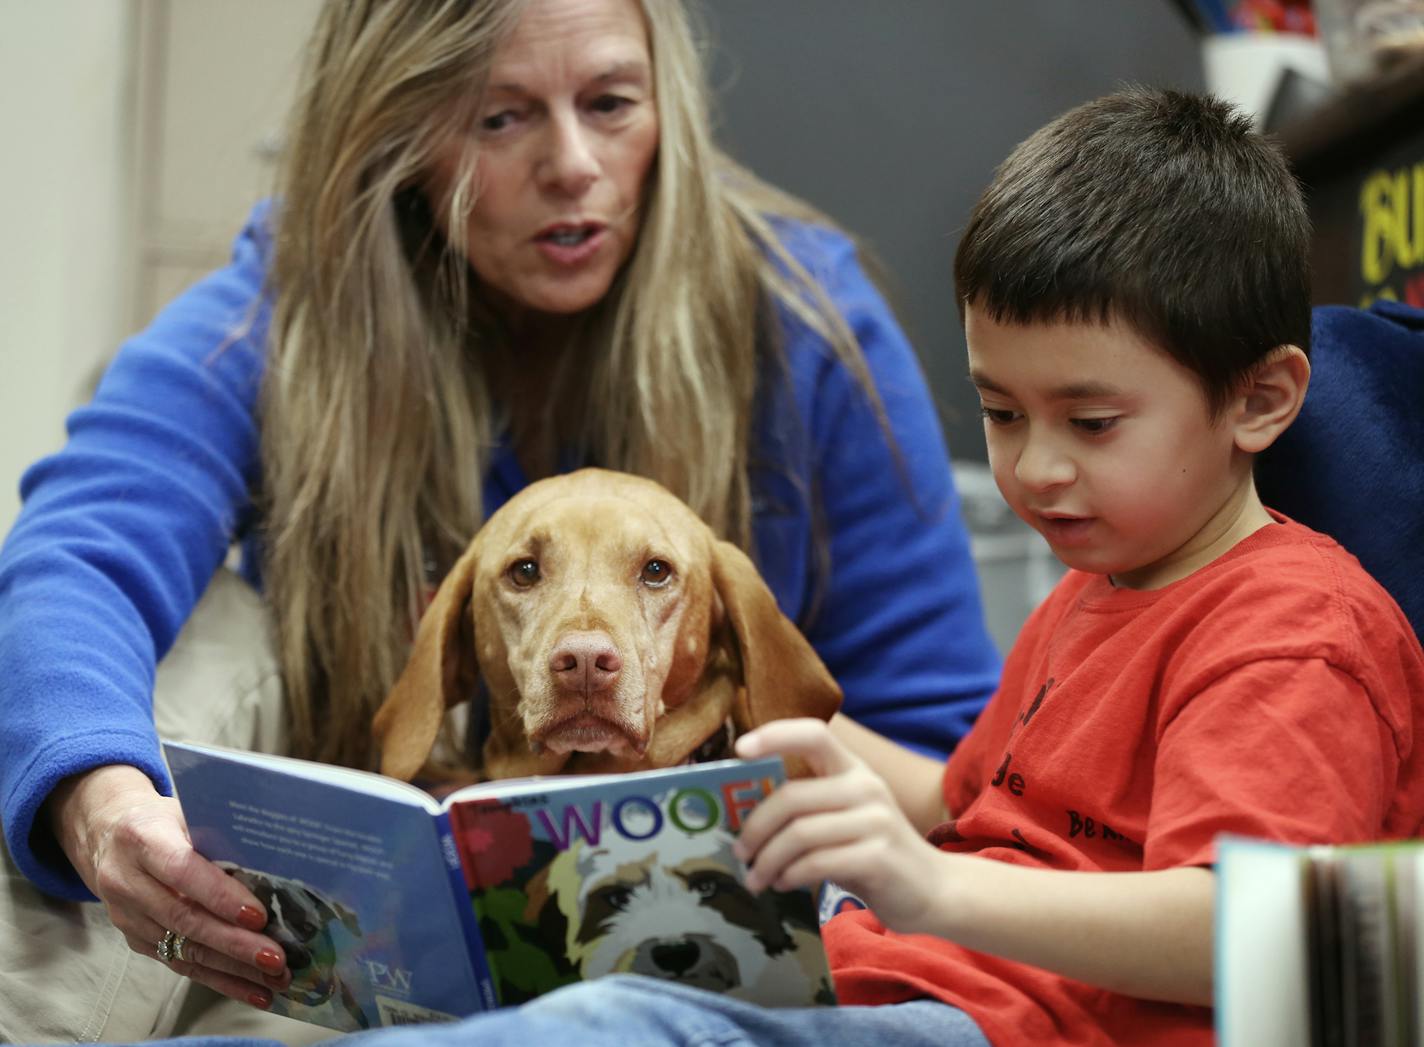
<point x="999" y="415"/>
<point x="609" y="103"/>
<point x="497" y="122"/>
<point x="524" y="573"/>
<point x="1094" y="426"/>
<point x="656" y="573"/>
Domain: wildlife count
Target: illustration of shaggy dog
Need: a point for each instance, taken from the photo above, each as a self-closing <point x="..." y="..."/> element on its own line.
<point x="623" y="899"/>
<point x="301" y="922"/>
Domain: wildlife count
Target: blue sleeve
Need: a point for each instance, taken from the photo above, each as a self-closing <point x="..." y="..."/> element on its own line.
<point x="899" y="621"/>
<point x="118" y="535"/>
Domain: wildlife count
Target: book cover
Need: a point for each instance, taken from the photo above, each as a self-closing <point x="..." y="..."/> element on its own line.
<point x="1261" y="966"/>
<point x="635" y="874"/>
<point x="358" y="885"/>
<point x="393" y="907"/>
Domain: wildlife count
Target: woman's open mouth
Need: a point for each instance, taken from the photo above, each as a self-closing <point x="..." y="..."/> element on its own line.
<point x="571" y="243"/>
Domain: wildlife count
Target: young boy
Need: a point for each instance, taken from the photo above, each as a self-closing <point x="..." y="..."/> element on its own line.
<point x="1136" y="303"/>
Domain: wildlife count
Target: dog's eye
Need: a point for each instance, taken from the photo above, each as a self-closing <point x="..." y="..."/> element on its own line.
<point x="618" y="897"/>
<point x="705" y="886"/>
<point x="524" y="573"/>
<point x="656" y="573"/>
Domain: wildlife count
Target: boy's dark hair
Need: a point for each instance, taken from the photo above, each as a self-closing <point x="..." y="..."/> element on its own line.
<point x="1157" y="208"/>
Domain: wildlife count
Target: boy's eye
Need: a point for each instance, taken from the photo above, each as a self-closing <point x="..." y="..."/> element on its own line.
<point x="998" y="415"/>
<point x="1094" y="426"/>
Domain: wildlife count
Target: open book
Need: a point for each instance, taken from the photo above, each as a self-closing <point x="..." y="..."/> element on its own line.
<point x="394" y="907"/>
<point x="1319" y="946"/>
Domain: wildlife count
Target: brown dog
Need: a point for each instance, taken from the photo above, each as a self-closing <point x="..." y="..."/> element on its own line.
<point x="613" y="632"/>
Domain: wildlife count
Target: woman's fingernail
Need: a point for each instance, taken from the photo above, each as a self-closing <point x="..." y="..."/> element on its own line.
<point x="252" y="918"/>
<point x="260" y="998"/>
<point x="271" y="960"/>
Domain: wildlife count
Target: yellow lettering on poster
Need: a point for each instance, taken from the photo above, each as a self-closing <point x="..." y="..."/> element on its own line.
<point x="1392" y="210"/>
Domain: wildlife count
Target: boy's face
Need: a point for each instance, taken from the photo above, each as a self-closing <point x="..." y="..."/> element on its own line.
<point x="1105" y="445"/>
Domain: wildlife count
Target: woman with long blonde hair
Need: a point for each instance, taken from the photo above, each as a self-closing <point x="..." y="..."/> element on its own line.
<point x="503" y="245"/>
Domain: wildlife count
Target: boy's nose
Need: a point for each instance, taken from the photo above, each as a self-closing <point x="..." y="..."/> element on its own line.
<point x="568" y="164"/>
<point x="1041" y="465"/>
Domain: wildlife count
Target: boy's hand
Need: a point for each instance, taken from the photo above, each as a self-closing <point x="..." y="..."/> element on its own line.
<point x="1146" y="934"/>
<point x="841" y="825"/>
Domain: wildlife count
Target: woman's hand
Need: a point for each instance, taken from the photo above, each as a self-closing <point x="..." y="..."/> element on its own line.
<point x="842" y="825"/>
<point x="130" y="846"/>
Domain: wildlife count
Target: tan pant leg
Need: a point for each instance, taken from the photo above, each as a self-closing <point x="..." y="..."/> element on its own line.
<point x="64" y="969"/>
<point x="66" y="974"/>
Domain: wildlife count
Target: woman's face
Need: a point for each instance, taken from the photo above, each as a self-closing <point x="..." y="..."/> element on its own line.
<point x="566" y="131"/>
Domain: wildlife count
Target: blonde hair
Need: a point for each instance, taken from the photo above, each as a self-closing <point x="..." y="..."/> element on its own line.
<point x="377" y="420"/>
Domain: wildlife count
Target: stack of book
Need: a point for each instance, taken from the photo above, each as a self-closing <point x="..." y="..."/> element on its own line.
<point x="1319" y="945"/>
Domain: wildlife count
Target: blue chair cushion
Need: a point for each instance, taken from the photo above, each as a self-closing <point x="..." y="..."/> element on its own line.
<point x="1352" y="465"/>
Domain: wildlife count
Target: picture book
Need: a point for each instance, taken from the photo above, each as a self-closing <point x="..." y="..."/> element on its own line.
<point x="394" y="907"/>
<point x="1319" y="945"/>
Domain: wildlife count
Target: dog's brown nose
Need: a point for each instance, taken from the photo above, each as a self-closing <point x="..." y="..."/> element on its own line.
<point x="586" y="662"/>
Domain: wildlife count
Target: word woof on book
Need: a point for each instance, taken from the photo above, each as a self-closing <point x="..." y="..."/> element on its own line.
<point x="393" y="907"/>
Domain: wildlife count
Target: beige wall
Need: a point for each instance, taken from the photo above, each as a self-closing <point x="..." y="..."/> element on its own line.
<point x="135" y="135"/>
<point x="65" y="124"/>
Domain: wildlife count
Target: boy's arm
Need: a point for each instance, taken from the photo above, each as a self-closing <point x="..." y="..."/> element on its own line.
<point x="1144" y="934"/>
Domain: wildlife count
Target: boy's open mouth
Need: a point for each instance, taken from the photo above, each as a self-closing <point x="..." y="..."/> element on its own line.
<point x="1064" y="528"/>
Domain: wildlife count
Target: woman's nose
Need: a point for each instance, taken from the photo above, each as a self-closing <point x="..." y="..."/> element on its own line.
<point x="569" y="165"/>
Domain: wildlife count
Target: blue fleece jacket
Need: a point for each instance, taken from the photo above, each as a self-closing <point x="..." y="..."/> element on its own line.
<point x="121" y="531"/>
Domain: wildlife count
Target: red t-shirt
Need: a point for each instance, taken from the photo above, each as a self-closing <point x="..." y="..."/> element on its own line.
<point x="1272" y="693"/>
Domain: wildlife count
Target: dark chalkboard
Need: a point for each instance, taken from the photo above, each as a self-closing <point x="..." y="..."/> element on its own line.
<point x="892" y="114"/>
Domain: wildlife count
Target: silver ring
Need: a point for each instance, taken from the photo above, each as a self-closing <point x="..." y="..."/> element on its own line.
<point x="178" y="944"/>
<point x="165" y="947"/>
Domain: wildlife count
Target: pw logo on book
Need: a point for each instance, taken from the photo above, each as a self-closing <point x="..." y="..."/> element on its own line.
<point x="389" y="979"/>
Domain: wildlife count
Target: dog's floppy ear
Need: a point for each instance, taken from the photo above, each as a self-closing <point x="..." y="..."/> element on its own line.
<point x="782" y="673"/>
<point x="440" y="673"/>
<point x="537" y="895"/>
<point x="257" y="883"/>
<point x="332" y="911"/>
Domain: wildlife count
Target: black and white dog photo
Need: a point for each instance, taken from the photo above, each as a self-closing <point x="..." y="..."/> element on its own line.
<point x="302" y="922"/>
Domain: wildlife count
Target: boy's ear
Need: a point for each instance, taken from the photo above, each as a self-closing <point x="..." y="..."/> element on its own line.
<point x="1270" y="398"/>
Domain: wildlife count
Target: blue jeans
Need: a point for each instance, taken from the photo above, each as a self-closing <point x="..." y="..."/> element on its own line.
<point x="630" y="1011"/>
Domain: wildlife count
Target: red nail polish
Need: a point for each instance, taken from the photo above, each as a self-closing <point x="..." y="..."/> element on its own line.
<point x="271" y="960"/>
<point x="252" y="918"/>
<point x="260" y="999"/>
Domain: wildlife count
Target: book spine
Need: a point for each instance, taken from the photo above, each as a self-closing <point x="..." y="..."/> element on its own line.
<point x="469" y="923"/>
